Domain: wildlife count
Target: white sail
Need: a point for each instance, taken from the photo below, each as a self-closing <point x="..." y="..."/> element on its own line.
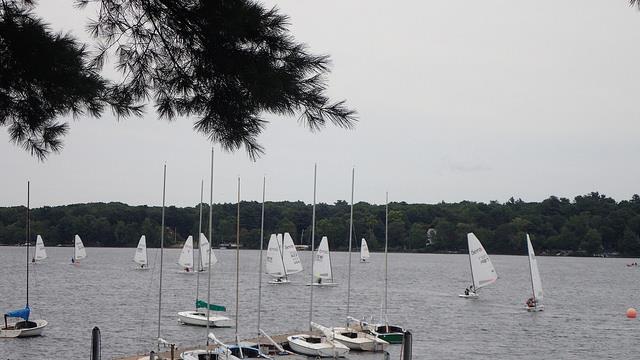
<point x="140" y="257"/>
<point x="292" y="263"/>
<point x="79" y="251"/>
<point x="482" y="270"/>
<point x="186" y="256"/>
<point x="364" y="251"/>
<point x="204" y="252"/>
<point x="322" y="261"/>
<point x="536" y="282"/>
<point x="41" y="253"/>
<point x="274" y="265"/>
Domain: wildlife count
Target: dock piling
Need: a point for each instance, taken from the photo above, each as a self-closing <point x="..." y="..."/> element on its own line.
<point x="407" y="344"/>
<point x="96" y="351"/>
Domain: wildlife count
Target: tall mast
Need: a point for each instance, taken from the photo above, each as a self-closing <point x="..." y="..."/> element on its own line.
<point x="238" y="261"/>
<point x="313" y="238"/>
<point x="353" y="171"/>
<point x="164" y="182"/>
<point x="28" y="236"/>
<point x="264" y="183"/>
<point x="386" y="248"/>
<point x="210" y="246"/>
<point x="199" y="247"/>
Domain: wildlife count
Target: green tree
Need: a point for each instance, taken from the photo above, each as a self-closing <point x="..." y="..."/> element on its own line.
<point x="592" y="242"/>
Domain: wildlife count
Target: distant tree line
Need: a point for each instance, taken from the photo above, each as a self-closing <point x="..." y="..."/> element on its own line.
<point x="589" y="225"/>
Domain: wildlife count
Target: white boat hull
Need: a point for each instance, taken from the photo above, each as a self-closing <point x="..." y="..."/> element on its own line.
<point x="281" y="281"/>
<point x="27" y="332"/>
<point x="199" y="318"/>
<point x="201" y="354"/>
<point x="534" y="308"/>
<point x="361" y="341"/>
<point x="469" y="296"/>
<point x="323" y="284"/>
<point x="323" y="348"/>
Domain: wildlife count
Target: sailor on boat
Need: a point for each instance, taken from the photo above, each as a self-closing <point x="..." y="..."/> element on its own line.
<point x="531" y="302"/>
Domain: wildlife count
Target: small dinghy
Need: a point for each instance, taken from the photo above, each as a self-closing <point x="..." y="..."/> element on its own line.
<point x="79" y="252"/>
<point x="186" y="257"/>
<point x="358" y="340"/>
<point x="40" y="253"/>
<point x="223" y="352"/>
<point x="322" y="274"/>
<point x="282" y="259"/>
<point x="140" y="256"/>
<point x="364" y="251"/>
<point x="320" y="346"/>
<point x="482" y="271"/>
<point x="534" y="303"/>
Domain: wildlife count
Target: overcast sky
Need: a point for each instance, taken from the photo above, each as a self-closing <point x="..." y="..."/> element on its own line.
<point x="457" y="100"/>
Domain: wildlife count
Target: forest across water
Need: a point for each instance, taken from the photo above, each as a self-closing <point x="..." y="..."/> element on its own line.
<point x="588" y="225"/>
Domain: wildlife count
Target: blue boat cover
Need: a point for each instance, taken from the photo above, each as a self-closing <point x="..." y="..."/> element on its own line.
<point x="22" y="313"/>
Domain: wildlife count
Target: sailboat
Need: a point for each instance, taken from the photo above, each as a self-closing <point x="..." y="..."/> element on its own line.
<point x="282" y="258"/>
<point x="392" y="334"/>
<point x="322" y="275"/>
<point x="222" y="352"/>
<point x="198" y="317"/>
<point x="25" y="327"/>
<point x="353" y="339"/>
<point x="40" y="253"/>
<point x="140" y="256"/>
<point x="482" y="271"/>
<point x="364" y="251"/>
<point x="79" y="252"/>
<point x="325" y="346"/>
<point x="534" y="303"/>
<point x="186" y="256"/>
<point x="313" y="345"/>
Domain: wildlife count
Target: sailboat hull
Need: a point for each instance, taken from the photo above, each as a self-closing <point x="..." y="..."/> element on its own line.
<point x="356" y="340"/>
<point x="280" y="281"/>
<point x="203" y="355"/>
<point x="301" y="345"/>
<point x="534" y="308"/>
<point x="199" y="318"/>
<point x="323" y="284"/>
<point x="12" y="332"/>
<point x="389" y="333"/>
<point x="470" y="296"/>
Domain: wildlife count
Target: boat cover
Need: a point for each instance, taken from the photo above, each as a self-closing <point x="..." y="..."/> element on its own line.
<point x="22" y="313"/>
<point x="214" y="307"/>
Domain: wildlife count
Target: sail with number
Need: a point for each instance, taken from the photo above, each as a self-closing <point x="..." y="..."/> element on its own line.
<point x="536" y="282"/>
<point x="79" y="251"/>
<point x="364" y="251"/>
<point x="140" y="257"/>
<point x="292" y="263"/>
<point x="482" y="270"/>
<point x="322" y="261"/>
<point x="186" y="255"/>
<point x="204" y="252"/>
<point x="41" y="253"/>
<point x="275" y="264"/>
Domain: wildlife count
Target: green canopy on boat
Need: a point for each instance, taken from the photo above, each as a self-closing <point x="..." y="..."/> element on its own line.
<point x="214" y="307"/>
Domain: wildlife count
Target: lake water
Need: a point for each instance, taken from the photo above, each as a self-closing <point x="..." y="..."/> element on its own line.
<point x="584" y="317"/>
